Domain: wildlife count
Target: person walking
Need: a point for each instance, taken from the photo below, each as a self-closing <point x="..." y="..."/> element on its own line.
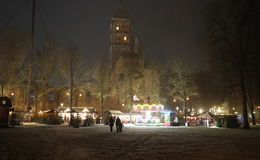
<point x="111" y="123"/>
<point x="118" y="124"/>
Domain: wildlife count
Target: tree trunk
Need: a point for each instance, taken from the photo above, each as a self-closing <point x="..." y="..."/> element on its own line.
<point x="2" y="89"/>
<point x="36" y="100"/>
<point x="71" y="89"/>
<point x="131" y="98"/>
<point x="250" y="92"/>
<point x="244" y="102"/>
<point x="185" y="110"/>
<point x="102" y="103"/>
<point x="251" y="107"/>
<point x="71" y="100"/>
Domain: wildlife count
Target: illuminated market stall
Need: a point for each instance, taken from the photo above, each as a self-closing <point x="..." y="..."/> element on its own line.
<point x="153" y="114"/>
<point x="80" y="112"/>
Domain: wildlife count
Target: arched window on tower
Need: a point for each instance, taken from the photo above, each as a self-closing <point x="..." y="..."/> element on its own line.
<point x="117" y="27"/>
<point x="125" y="39"/>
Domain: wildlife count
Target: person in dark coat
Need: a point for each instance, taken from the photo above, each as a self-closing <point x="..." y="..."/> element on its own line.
<point x="111" y="123"/>
<point x="119" y="125"/>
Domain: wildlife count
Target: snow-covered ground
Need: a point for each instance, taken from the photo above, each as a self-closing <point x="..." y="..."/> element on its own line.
<point x="41" y="142"/>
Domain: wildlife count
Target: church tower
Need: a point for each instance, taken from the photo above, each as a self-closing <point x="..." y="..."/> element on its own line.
<point x="121" y="34"/>
<point x="127" y="62"/>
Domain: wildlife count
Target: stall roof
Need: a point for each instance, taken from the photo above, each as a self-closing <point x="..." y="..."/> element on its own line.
<point x="207" y="115"/>
<point x="115" y="111"/>
<point x="49" y="111"/>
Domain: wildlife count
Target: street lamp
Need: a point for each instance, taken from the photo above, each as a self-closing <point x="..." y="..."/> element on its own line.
<point x="13" y="98"/>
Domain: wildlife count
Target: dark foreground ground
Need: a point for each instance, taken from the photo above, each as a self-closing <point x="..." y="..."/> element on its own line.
<point x="97" y="143"/>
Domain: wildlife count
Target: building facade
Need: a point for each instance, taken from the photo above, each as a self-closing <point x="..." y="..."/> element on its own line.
<point x="133" y="80"/>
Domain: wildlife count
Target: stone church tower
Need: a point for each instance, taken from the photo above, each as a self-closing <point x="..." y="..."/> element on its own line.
<point x="127" y="61"/>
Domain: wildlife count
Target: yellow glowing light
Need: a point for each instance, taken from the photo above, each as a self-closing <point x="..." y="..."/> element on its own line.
<point x="4" y="102"/>
<point x="117" y="28"/>
<point x="12" y="94"/>
<point x="187" y="98"/>
<point x="174" y="100"/>
<point x="125" y="38"/>
<point x="200" y="110"/>
<point x="148" y="106"/>
<point x="80" y="94"/>
<point x="67" y="93"/>
<point x="135" y="98"/>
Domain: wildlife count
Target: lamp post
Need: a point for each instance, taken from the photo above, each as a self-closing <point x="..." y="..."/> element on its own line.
<point x="13" y="98"/>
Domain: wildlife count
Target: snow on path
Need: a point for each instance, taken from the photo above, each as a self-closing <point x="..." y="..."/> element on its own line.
<point x="135" y="143"/>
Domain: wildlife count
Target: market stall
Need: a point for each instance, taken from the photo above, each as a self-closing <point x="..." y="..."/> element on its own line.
<point x="153" y="114"/>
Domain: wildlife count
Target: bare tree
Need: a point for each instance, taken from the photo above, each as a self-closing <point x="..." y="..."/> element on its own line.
<point x="183" y="82"/>
<point x="179" y="80"/>
<point x="71" y="68"/>
<point x="45" y="71"/>
<point x="231" y="27"/>
<point x="101" y="81"/>
<point x="14" y="46"/>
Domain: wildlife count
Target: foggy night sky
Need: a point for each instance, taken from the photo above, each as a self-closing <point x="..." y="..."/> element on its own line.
<point x="167" y="28"/>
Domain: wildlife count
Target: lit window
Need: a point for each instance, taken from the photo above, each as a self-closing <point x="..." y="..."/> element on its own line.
<point x="125" y="38"/>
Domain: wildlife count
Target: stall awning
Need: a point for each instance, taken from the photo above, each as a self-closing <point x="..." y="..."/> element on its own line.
<point x="115" y="112"/>
<point x="49" y="111"/>
<point x="207" y="115"/>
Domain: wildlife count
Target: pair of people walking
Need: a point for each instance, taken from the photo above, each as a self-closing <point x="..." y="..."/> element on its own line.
<point x="119" y="124"/>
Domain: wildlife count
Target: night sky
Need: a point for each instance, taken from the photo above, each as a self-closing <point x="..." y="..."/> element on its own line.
<point x="167" y="28"/>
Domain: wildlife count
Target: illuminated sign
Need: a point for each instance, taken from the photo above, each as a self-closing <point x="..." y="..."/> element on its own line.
<point x="148" y="107"/>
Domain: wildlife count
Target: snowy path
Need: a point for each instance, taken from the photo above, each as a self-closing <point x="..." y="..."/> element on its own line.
<point x="66" y="143"/>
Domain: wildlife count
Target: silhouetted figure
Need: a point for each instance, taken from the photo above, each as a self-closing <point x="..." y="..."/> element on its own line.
<point x="119" y="125"/>
<point x="111" y="123"/>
